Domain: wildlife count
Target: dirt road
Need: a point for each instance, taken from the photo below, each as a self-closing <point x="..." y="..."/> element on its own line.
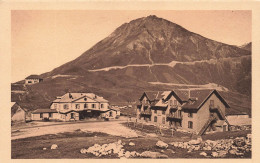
<point x="109" y="127"/>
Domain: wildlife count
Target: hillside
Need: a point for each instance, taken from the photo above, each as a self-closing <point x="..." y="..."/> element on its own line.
<point x="140" y="54"/>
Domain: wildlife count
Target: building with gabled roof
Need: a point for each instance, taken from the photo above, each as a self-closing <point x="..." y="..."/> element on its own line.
<point x="18" y="113"/>
<point x="192" y="110"/>
<point x="74" y="106"/>
<point x="33" y="79"/>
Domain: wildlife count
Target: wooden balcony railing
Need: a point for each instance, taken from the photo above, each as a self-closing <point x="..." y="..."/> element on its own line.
<point x="146" y="112"/>
<point x="174" y="115"/>
<point x="173" y="106"/>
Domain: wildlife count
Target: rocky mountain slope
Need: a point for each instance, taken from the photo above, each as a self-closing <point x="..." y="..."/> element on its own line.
<point x="142" y="53"/>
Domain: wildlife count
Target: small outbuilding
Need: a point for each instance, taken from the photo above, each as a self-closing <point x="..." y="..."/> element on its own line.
<point x="48" y="114"/>
<point x="17" y="112"/>
<point x="32" y="79"/>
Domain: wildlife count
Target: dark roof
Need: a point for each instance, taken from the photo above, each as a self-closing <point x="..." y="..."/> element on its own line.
<point x="182" y="94"/>
<point x="15" y="107"/>
<point x="201" y="97"/>
<point x="33" y="77"/>
<point x="152" y="95"/>
<point x="44" y="111"/>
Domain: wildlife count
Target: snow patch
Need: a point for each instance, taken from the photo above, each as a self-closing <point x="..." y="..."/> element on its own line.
<point x="196" y="87"/>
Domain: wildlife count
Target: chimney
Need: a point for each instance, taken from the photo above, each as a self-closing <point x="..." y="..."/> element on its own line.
<point x="70" y="96"/>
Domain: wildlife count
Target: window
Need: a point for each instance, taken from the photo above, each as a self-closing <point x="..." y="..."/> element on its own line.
<point x="29" y="81"/>
<point x="93" y="105"/>
<point x="211" y="102"/>
<point x="50" y="115"/>
<point x="41" y="115"/>
<point x="102" y="106"/>
<point x="72" y="115"/>
<point x="85" y="99"/>
<point x="163" y="120"/>
<point x="175" y="102"/>
<point x="155" y="119"/>
<point x="163" y="112"/>
<point x="77" y="106"/>
<point x="171" y="103"/>
<point x="110" y="114"/>
<point x="190" y="115"/>
<point x="190" y="124"/>
<point x="65" y="106"/>
<point x="155" y="111"/>
<point x="85" y="106"/>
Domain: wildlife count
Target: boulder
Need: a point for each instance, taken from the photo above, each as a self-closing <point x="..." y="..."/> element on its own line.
<point x="161" y="144"/>
<point x="54" y="146"/>
<point x="127" y="154"/>
<point x="149" y="154"/>
<point x="214" y="154"/>
<point x="83" y="151"/>
<point x="44" y="149"/>
<point x="222" y="153"/>
<point x="195" y="142"/>
<point x="132" y="144"/>
<point x="232" y="151"/>
<point x="203" y="154"/>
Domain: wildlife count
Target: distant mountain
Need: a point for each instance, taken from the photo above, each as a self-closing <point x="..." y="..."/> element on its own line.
<point x="148" y="53"/>
<point x="247" y="46"/>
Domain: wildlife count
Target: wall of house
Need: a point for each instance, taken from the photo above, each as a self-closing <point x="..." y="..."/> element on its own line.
<point x="72" y="106"/>
<point x="201" y="117"/>
<point x="36" y="116"/>
<point x="19" y="115"/>
<point x="31" y="81"/>
<point x="160" y="116"/>
<point x="67" y="117"/>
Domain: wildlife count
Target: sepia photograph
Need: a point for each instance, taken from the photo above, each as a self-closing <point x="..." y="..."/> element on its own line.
<point x="131" y="84"/>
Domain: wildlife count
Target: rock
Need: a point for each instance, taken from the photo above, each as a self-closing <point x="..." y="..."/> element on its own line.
<point x="170" y="150"/>
<point x="44" y="149"/>
<point x="132" y="144"/>
<point x="161" y="144"/>
<point x="83" y="151"/>
<point x="149" y="154"/>
<point x="214" y="154"/>
<point x="195" y="142"/>
<point x="222" y="153"/>
<point x="54" y="146"/>
<point x="162" y="151"/>
<point x="232" y="151"/>
<point x="203" y="154"/>
<point x="133" y="154"/>
<point x="119" y="142"/>
<point x="127" y="154"/>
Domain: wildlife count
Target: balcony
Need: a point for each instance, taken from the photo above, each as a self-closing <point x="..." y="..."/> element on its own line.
<point x="213" y="107"/>
<point x="173" y="106"/>
<point x="146" y="112"/>
<point x="174" y="116"/>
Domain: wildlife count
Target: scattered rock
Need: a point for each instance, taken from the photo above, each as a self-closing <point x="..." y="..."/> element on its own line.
<point x="44" y="148"/>
<point x="54" y="146"/>
<point x="132" y="144"/>
<point x="203" y="154"/>
<point x="161" y="144"/>
<point x="162" y="151"/>
<point x="149" y="154"/>
<point x="214" y="154"/>
<point x="83" y="151"/>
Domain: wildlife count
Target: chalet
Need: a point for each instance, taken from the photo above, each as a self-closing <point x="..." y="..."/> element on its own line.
<point x="41" y="114"/>
<point x="32" y="79"/>
<point x="18" y="113"/>
<point x="77" y="106"/>
<point x="191" y="110"/>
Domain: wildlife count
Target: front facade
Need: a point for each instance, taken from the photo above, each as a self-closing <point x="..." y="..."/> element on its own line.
<point x="75" y="106"/>
<point x="197" y="111"/>
<point x="33" y="79"/>
<point x="17" y="112"/>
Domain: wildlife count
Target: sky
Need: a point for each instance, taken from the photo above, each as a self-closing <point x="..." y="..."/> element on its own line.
<point x="42" y="40"/>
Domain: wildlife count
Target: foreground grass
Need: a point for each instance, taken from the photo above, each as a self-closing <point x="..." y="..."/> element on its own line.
<point x="69" y="145"/>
